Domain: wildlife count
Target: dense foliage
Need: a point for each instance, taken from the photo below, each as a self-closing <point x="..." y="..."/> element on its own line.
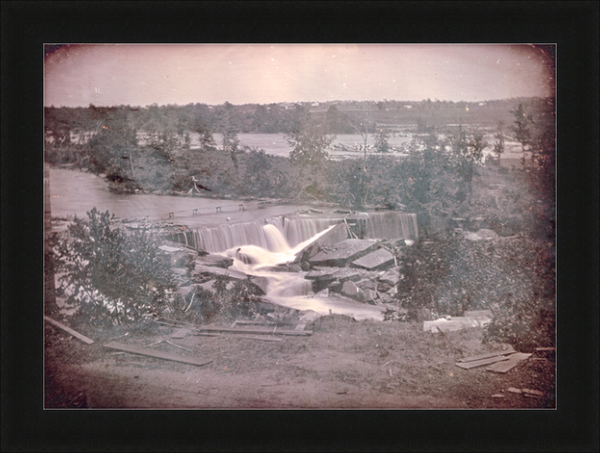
<point x="229" y="301"/>
<point x="110" y="277"/>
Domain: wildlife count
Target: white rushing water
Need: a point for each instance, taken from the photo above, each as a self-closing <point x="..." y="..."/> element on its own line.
<point x="290" y="289"/>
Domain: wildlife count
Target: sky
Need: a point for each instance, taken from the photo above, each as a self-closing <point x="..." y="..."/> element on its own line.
<point x="140" y="75"/>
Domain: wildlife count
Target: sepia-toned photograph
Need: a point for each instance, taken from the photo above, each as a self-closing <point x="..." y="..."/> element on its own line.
<point x="299" y="226"/>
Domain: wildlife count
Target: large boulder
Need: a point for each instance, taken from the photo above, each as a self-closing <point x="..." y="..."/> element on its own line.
<point x="349" y="289"/>
<point x="344" y="252"/>
<point x="326" y="276"/>
<point x="201" y="269"/>
<point x="370" y="296"/>
<point x="180" y="256"/>
<point x="377" y="260"/>
<point x="215" y="261"/>
<point x="391" y="276"/>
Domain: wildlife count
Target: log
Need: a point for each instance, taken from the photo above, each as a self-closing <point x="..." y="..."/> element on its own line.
<point x="156" y="354"/>
<point x="69" y="330"/>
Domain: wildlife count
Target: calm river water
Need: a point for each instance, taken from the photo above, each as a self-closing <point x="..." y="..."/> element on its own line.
<point x="75" y="193"/>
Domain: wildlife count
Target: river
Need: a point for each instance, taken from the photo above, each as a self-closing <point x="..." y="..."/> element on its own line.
<point x="73" y="193"/>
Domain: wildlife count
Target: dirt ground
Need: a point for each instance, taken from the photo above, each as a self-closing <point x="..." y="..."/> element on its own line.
<point x="343" y="364"/>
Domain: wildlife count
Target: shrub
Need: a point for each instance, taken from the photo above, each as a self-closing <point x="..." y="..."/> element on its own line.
<point x="111" y="277"/>
<point x="523" y="322"/>
<point x="230" y="300"/>
<point x="512" y="277"/>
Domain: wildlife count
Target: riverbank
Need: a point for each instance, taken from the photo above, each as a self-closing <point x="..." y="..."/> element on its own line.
<point x="343" y="364"/>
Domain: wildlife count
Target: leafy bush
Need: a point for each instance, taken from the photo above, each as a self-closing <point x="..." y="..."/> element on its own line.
<point x="523" y="322"/>
<point x="231" y="300"/>
<point x="111" y="277"/>
<point x="512" y="277"/>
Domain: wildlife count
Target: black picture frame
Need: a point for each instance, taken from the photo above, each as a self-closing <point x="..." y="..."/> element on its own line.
<point x="573" y="26"/>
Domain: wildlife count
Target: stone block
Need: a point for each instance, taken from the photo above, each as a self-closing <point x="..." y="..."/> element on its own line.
<point x="344" y="252"/>
<point x="374" y="261"/>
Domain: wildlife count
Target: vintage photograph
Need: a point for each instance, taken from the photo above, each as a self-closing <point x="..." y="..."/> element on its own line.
<point x="299" y="226"/>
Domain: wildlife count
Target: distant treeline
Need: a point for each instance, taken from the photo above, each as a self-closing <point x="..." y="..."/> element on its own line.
<point x="341" y="117"/>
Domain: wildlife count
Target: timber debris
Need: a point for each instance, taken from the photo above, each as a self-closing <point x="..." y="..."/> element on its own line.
<point x="156" y="354"/>
<point x="69" y="330"/>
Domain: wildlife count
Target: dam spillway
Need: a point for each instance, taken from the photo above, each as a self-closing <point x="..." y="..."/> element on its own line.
<point x="296" y="229"/>
<point x="258" y="247"/>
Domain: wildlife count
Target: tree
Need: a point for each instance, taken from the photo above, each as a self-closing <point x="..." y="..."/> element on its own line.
<point x="467" y="150"/>
<point x="361" y="126"/>
<point x="228" y="131"/>
<point x="113" y="146"/>
<point x="499" y="143"/>
<point x="110" y="276"/>
<point x="381" y="141"/>
<point x="522" y="126"/>
<point x="309" y="141"/>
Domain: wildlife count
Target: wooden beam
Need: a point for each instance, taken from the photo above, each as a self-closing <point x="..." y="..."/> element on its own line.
<point x="253" y="337"/>
<point x="156" y="354"/>
<point x="513" y="361"/>
<point x="255" y="331"/>
<point x="181" y="333"/>
<point x="69" y="330"/>
<point x="510" y="350"/>
<point x="482" y="362"/>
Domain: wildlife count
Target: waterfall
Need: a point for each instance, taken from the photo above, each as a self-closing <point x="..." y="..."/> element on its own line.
<point x="392" y="225"/>
<point x="291" y="289"/>
<point x="298" y="230"/>
<point x="282" y="232"/>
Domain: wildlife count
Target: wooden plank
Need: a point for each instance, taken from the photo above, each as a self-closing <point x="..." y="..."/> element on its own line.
<point x="255" y="323"/>
<point x="69" y="330"/>
<point x="457" y="323"/>
<point x="482" y="362"/>
<point x="255" y="331"/>
<point x="545" y="349"/>
<point x="532" y="392"/>
<point x="510" y="350"/>
<point x="156" y="354"/>
<point x="181" y="333"/>
<point x="251" y="337"/>
<point x="513" y="361"/>
<point x="300" y="327"/>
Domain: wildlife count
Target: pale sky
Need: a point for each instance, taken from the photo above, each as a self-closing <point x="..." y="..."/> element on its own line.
<point x="140" y="75"/>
